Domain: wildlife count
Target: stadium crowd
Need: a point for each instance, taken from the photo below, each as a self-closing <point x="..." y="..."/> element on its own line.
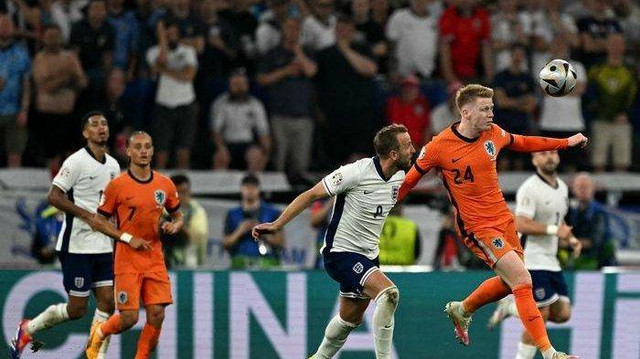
<point x="299" y="85"/>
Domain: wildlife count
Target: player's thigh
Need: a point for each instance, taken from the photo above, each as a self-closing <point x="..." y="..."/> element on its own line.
<point x="352" y="309"/>
<point x="492" y="244"/>
<point x="351" y="271"/>
<point x="510" y="268"/>
<point x="127" y="291"/>
<point x="156" y="289"/>
<point x="376" y="283"/>
<point x="102" y="280"/>
<point x="76" y="273"/>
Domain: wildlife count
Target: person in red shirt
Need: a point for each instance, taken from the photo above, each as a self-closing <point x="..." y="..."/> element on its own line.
<point x="411" y="109"/>
<point x="465" y="34"/>
<point x="138" y="199"/>
<point x="465" y="154"/>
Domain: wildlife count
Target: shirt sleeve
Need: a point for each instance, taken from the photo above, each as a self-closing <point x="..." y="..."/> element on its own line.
<point x="68" y="174"/>
<point x="192" y="58"/>
<point x="393" y="31"/>
<point x="427" y="159"/>
<point x="109" y="200"/>
<point x="342" y="179"/>
<point x="217" y="120"/>
<point x="228" y="224"/>
<point x="525" y="202"/>
<point x="152" y="55"/>
<point x="173" y="200"/>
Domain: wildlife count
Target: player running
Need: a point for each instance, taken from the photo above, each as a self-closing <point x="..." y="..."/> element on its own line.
<point x="466" y="155"/>
<point x="365" y="192"/>
<point x="542" y="203"/>
<point x="138" y="199"/>
<point x="85" y="254"/>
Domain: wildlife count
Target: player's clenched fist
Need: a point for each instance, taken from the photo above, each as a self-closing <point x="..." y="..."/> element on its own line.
<point x="578" y="139"/>
<point x="140" y="244"/>
<point x="171" y="227"/>
<point x="262" y="229"/>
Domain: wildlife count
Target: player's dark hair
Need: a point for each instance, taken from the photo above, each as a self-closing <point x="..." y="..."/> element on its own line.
<point x="469" y="94"/>
<point x="180" y="179"/>
<point x="386" y="140"/>
<point x="136" y="133"/>
<point x="88" y="115"/>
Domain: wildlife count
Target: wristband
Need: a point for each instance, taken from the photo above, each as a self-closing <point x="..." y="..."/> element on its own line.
<point x="552" y="230"/>
<point x="126" y="237"/>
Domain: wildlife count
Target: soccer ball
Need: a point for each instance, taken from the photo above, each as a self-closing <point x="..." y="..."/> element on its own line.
<point x="558" y="78"/>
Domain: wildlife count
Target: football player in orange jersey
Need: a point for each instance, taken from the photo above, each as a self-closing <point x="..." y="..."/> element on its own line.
<point x="138" y="199"/>
<point x="465" y="155"/>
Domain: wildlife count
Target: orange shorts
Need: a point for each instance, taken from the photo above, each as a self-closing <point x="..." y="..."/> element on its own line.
<point x="490" y="244"/>
<point x="154" y="288"/>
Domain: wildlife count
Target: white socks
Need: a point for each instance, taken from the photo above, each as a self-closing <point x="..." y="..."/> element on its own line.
<point x="334" y="337"/>
<point x="53" y="315"/>
<point x="526" y="351"/>
<point x="100" y="316"/>
<point x="386" y="304"/>
<point x="549" y="353"/>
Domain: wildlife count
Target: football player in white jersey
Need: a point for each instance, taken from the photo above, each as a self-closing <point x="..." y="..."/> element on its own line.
<point x="365" y="192"/>
<point x="85" y="253"/>
<point x="542" y="203"/>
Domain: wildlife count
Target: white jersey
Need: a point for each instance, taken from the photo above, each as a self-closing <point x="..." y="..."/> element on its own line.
<point x="84" y="179"/>
<point x="538" y="200"/>
<point x="364" y="199"/>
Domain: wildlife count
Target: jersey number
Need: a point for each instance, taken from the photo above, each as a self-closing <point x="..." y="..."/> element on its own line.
<point x="467" y="177"/>
<point x="133" y="211"/>
<point x="378" y="212"/>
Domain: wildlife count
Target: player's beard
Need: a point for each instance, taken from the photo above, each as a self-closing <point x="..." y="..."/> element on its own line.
<point x="549" y="169"/>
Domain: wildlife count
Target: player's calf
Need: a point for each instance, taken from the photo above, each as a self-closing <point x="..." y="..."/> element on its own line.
<point x="560" y="312"/>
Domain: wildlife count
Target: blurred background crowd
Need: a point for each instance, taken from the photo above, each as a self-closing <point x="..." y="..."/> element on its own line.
<point x="301" y="85"/>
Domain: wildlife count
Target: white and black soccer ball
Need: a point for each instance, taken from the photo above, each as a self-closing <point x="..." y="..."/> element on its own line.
<point x="558" y="78"/>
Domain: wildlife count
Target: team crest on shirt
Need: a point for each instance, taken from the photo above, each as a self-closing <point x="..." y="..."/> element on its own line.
<point x="79" y="282"/>
<point x="358" y="267"/>
<point x="122" y="297"/>
<point x="336" y="179"/>
<point x="498" y="243"/>
<point x="160" y="197"/>
<point x="490" y="148"/>
<point x="394" y="193"/>
<point x="540" y="292"/>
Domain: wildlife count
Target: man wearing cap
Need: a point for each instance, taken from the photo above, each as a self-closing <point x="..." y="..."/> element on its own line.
<point x="411" y="109"/>
<point x="244" y="251"/>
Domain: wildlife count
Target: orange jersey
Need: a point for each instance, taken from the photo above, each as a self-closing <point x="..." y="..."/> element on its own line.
<point x="138" y="206"/>
<point x="468" y="168"/>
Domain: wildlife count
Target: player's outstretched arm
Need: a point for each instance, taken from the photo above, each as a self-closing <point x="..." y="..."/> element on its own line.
<point x="298" y="205"/>
<point x="536" y="144"/>
<point x="410" y="180"/>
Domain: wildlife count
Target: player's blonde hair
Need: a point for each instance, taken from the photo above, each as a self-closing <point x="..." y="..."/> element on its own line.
<point x="469" y="94"/>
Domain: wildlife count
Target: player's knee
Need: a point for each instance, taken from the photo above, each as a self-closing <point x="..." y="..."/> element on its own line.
<point x="76" y="310"/>
<point x="155" y="316"/>
<point x="106" y="305"/>
<point x="128" y="319"/>
<point x="390" y="296"/>
<point x="563" y="315"/>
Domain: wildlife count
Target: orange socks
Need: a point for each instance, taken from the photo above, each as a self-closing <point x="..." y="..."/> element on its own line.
<point x="530" y="316"/>
<point x="148" y="341"/>
<point x="491" y="290"/>
<point x="111" y="326"/>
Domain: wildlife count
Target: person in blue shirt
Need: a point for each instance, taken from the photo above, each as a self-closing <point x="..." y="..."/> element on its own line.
<point x="126" y="30"/>
<point x="244" y="251"/>
<point x="15" y="92"/>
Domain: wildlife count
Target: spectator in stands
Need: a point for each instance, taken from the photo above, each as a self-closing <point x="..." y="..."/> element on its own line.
<point x="48" y="223"/>
<point x="594" y="31"/>
<point x="508" y="28"/>
<point x="191" y="28"/>
<point x="245" y="25"/>
<point x="400" y="242"/>
<point x="370" y="31"/>
<point x="562" y="116"/>
<point x="591" y="226"/>
<point x="346" y="93"/>
<point x="413" y="34"/>
<point x="93" y="40"/>
<point x="380" y="12"/>
<point x="548" y="23"/>
<point x="174" y="118"/>
<point x="58" y="78"/>
<point x="616" y="87"/>
<point x="64" y="14"/>
<point x="239" y="127"/>
<point x="15" y="92"/>
<point x="269" y="32"/>
<point x="188" y="247"/>
<point x="286" y="71"/>
<point x="515" y="103"/>
<point x="411" y="109"/>
<point x="465" y="42"/>
<point x="628" y="15"/>
<point x="320" y="217"/>
<point x="244" y="251"/>
<point x="124" y="23"/>
<point x="319" y="28"/>
<point x="445" y="113"/>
